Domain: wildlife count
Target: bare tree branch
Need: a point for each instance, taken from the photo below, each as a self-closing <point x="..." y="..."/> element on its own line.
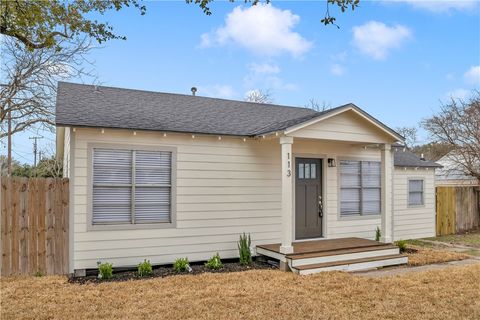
<point x="259" y="96"/>
<point x="457" y="126"/>
<point x="29" y="81"/>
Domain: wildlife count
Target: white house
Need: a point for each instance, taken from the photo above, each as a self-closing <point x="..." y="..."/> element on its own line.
<point x="161" y="176"/>
<point x="452" y="173"/>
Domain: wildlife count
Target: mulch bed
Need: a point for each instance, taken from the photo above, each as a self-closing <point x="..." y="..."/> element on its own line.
<point x="167" y="271"/>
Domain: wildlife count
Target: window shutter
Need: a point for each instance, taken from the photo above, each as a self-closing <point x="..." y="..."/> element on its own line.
<point x="112" y="178"/>
<point x="152" y="186"/>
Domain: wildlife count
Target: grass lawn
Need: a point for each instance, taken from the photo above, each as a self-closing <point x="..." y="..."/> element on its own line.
<point x="425" y="254"/>
<point x="451" y="293"/>
<point x="471" y="239"/>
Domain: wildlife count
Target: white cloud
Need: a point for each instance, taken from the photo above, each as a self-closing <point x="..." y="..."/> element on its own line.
<point x="337" y="69"/>
<point x="266" y="75"/>
<point x="441" y="6"/>
<point x="461" y="94"/>
<point x="262" y="29"/>
<point x="217" y="91"/>
<point x="264" y="68"/>
<point x="472" y="76"/>
<point x="376" y="39"/>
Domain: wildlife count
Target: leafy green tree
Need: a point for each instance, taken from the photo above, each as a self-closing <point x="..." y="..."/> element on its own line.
<point x="42" y="24"/>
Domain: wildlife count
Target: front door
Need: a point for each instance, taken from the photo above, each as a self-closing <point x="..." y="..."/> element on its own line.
<point x="308" y="198"/>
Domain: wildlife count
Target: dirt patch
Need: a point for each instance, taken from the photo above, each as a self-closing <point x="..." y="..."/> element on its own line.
<point x="167" y="271"/>
<point x="450" y="293"/>
<point x="419" y="256"/>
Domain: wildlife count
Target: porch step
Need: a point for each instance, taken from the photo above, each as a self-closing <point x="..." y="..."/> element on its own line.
<point x="351" y="265"/>
<point x="341" y="255"/>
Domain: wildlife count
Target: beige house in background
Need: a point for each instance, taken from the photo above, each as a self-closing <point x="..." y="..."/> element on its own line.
<point x="452" y="174"/>
<point x="160" y="176"/>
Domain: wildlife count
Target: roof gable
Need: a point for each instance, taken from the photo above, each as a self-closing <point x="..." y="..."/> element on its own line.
<point x="348" y="123"/>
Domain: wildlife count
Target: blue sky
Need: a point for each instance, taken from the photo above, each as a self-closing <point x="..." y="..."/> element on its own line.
<point x="395" y="59"/>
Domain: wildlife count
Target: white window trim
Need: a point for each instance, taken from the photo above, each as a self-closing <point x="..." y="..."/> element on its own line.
<point x="130" y="226"/>
<point x="360" y="216"/>
<point x="408" y="192"/>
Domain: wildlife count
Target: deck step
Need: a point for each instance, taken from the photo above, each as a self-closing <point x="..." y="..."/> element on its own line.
<point x="352" y="265"/>
<point x="325" y="253"/>
<point x="342" y="255"/>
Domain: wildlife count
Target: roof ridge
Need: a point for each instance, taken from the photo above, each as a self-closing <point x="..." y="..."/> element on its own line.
<point x="186" y="95"/>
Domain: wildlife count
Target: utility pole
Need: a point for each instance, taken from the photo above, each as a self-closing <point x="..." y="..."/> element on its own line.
<point x="9" y="142"/>
<point x="9" y="135"/>
<point x="35" y="152"/>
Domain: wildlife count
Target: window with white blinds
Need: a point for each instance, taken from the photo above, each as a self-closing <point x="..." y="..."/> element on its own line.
<point x="131" y="186"/>
<point x="415" y="192"/>
<point x="360" y="187"/>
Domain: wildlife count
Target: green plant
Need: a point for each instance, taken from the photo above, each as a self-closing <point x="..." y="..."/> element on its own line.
<point x="402" y="245"/>
<point x="105" y="270"/>
<point x="378" y="234"/>
<point x="214" y="263"/>
<point x="244" y="249"/>
<point x="144" y="268"/>
<point x="181" y="265"/>
<point x="39" y="274"/>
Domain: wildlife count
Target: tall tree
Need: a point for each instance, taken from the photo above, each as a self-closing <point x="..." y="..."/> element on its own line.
<point x="457" y="126"/>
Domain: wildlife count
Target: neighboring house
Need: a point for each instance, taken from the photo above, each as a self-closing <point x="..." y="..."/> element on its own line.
<point x="162" y="176"/>
<point x="452" y="174"/>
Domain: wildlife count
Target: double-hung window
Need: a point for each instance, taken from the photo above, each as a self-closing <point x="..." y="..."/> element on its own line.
<point x="360" y="188"/>
<point x="415" y="192"/>
<point x="131" y="186"/>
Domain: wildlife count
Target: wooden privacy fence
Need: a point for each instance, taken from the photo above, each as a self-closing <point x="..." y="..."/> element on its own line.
<point x="34" y="226"/>
<point x="458" y="209"/>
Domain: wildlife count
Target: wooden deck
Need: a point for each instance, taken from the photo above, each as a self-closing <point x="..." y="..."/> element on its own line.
<point x="348" y="254"/>
<point x="326" y="247"/>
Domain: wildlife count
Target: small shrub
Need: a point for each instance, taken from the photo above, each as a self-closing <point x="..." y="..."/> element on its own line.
<point x="244" y="249"/>
<point x="378" y="234"/>
<point x="181" y="265"/>
<point x="105" y="270"/>
<point x="402" y="245"/>
<point x="214" y="263"/>
<point x="145" y="268"/>
<point x="38" y="274"/>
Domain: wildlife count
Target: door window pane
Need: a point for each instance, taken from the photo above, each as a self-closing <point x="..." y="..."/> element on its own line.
<point x="313" y="171"/>
<point x="301" y="169"/>
<point x="307" y="170"/>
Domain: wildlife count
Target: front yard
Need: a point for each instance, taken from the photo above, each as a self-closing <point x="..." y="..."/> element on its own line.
<point x="469" y="239"/>
<point x="450" y="293"/>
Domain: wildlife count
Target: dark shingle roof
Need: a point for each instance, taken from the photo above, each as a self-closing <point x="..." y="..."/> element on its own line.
<point x="405" y="158"/>
<point x="107" y="107"/>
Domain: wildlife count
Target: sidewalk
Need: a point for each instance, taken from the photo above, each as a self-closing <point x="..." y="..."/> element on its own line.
<point x="388" y="272"/>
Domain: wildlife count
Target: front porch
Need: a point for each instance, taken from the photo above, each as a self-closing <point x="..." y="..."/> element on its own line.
<point x="344" y="254"/>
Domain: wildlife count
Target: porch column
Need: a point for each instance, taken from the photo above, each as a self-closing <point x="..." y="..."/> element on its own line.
<point x="287" y="195"/>
<point x="386" y="199"/>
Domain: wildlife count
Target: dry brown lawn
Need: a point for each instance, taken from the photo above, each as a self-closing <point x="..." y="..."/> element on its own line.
<point x="451" y="293"/>
<point x="425" y="256"/>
